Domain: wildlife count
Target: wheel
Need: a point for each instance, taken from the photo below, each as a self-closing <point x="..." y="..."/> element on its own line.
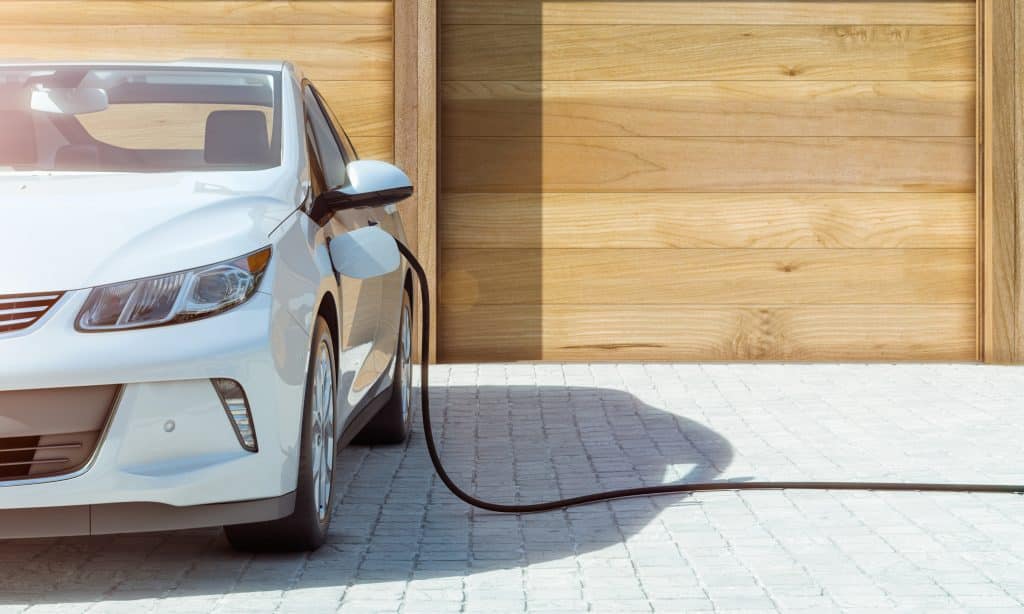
<point x="393" y="422"/>
<point x="306" y="528"/>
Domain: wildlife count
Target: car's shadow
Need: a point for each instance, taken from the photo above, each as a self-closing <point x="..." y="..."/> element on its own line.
<point x="397" y="522"/>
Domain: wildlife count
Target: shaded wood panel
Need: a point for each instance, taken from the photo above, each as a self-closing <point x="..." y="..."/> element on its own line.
<point x="641" y="220"/>
<point x="709" y="52"/>
<point x="711" y="276"/>
<point x="737" y="164"/>
<point x="762" y="12"/>
<point x="355" y="53"/>
<point x="708" y="333"/>
<point x="196" y="12"/>
<point x="708" y="108"/>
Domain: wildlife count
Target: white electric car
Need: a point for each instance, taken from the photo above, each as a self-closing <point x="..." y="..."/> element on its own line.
<point x="201" y="300"/>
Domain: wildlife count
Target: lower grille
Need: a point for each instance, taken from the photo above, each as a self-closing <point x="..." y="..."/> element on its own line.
<point x="18" y="311"/>
<point x="51" y="432"/>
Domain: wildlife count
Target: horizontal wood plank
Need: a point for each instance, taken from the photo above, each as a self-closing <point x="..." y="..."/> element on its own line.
<point x="707" y="333"/>
<point x="703" y="108"/>
<point x="375" y="147"/>
<point x="716" y="53"/>
<point x="355" y="53"/>
<point x="634" y="164"/>
<point x="717" y="180"/>
<point x="196" y="12"/>
<point x="364" y="108"/>
<point x="825" y="12"/>
<point x="706" y="276"/>
<point x="559" y="220"/>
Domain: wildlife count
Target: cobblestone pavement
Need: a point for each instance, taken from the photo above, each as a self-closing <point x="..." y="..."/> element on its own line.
<point x="400" y="542"/>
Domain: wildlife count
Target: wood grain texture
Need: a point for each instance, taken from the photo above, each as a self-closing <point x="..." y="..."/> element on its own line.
<point x="427" y="127"/>
<point x="713" y="276"/>
<point x="375" y="147"/>
<point x="671" y="53"/>
<point x="708" y="333"/>
<point x="1018" y="180"/>
<point x="763" y="12"/>
<point x="736" y="164"/>
<point x="1004" y="183"/>
<point x="355" y="53"/>
<point x="708" y="180"/>
<point x="364" y="108"/>
<point x="1002" y="242"/>
<point x="643" y="220"/>
<point x="196" y="12"/>
<point x="416" y="139"/>
<point x="406" y="117"/>
<point x="708" y="108"/>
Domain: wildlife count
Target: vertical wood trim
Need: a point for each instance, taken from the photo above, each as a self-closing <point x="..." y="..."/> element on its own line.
<point x="1001" y="193"/>
<point x="983" y="95"/>
<point x="406" y="112"/>
<point x="415" y="131"/>
<point x="427" y="153"/>
<point x="1017" y="185"/>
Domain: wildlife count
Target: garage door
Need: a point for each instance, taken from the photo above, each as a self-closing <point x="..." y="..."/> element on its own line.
<point x="677" y="180"/>
<point x="345" y="46"/>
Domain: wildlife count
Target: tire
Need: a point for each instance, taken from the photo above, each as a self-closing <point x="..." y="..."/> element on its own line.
<point x="306" y="528"/>
<point x="393" y="421"/>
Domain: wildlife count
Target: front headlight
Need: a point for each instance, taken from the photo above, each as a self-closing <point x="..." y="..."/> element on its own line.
<point x="177" y="297"/>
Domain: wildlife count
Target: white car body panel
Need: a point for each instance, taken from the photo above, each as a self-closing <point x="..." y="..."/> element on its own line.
<point x="168" y="440"/>
<point x="110" y="227"/>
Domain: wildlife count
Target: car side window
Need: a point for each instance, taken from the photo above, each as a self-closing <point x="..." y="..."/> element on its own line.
<point x="339" y="132"/>
<point x="330" y="154"/>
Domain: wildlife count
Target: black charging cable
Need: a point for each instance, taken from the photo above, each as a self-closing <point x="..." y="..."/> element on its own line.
<point x="642" y="491"/>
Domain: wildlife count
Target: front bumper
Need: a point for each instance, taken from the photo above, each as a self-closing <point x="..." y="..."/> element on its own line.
<point x="169" y="440"/>
<point x="136" y="517"/>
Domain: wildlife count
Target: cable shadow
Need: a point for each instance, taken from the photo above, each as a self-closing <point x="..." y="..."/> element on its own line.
<point x="396" y="522"/>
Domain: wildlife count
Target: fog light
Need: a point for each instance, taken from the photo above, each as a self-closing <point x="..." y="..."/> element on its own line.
<point x="232" y="397"/>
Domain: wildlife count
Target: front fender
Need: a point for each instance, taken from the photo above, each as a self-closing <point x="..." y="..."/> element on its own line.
<point x="299" y="279"/>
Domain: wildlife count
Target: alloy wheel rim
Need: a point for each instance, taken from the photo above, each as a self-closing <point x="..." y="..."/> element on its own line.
<point x="323" y="431"/>
<point x="406" y="358"/>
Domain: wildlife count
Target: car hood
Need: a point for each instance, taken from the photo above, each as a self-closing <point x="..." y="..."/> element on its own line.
<point x="64" y="231"/>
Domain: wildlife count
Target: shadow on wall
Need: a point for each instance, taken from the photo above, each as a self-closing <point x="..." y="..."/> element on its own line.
<point x="397" y="522"/>
<point x="490" y="129"/>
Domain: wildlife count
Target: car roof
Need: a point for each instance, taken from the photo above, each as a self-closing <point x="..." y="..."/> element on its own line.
<point x="264" y="65"/>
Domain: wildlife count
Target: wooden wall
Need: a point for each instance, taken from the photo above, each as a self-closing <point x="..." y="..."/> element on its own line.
<point x="677" y="180"/>
<point x="345" y="46"/>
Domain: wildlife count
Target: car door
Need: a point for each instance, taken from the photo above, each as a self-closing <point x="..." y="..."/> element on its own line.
<point x="360" y="299"/>
<point x="388" y="287"/>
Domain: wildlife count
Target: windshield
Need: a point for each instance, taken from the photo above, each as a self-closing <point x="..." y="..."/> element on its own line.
<point x="139" y="119"/>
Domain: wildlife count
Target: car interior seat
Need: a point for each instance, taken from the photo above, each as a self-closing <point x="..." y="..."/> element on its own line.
<point x="236" y="137"/>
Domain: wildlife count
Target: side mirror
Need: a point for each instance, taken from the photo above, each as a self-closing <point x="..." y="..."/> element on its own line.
<point x="365" y="253"/>
<point x="369" y="184"/>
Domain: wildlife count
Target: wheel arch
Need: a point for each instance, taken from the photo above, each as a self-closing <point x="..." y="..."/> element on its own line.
<point x="328" y="310"/>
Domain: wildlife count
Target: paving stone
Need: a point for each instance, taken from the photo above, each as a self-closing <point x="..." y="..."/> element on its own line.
<point x="401" y="543"/>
